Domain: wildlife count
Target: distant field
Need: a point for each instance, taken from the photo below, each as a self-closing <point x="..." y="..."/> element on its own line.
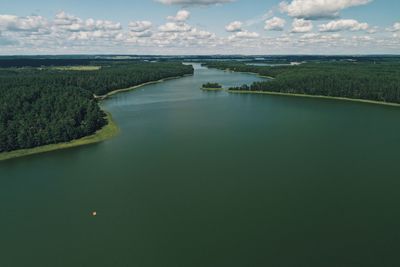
<point x="77" y="68"/>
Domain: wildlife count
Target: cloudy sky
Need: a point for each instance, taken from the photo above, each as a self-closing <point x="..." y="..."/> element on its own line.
<point x="200" y="27"/>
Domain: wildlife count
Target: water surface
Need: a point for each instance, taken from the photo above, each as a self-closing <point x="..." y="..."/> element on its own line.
<point x="211" y="179"/>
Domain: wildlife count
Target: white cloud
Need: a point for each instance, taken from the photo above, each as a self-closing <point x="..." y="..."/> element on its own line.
<point x="318" y="9"/>
<point x="365" y="38"/>
<point x="344" y="25"/>
<point x="30" y="23"/>
<point x="317" y="37"/>
<point x="139" y="26"/>
<point x="275" y="24"/>
<point x="235" y="26"/>
<point x="63" y="18"/>
<point x="90" y="35"/>
<point x="302" y="26"/>
<point x="175" y="27"/>
<point x="201" y="34"/>
<point x="75" y="24"/>
<point x="178" y="33"/>
<point x="181" y="16"/>
<point x="193" y="2"/>
<point x="70" y="34"/>
<point x="245" y="35"/>
<point x="309" y="36"/>
<point x="142" y="34"/>
<point x="395" y="27"/>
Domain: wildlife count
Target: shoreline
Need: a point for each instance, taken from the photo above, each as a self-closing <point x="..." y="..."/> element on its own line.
<point x="102" y="97"/>
<point x="249" y="72"/>
<point x="108" y="131"/>
<point x="364" y="101"/>
<point x="212" y="89"/>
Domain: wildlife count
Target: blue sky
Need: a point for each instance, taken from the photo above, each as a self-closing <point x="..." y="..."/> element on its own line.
<point x="200" y="27"/>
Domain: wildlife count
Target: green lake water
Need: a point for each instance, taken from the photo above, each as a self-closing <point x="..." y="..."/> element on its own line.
<point x="201" y="179"/>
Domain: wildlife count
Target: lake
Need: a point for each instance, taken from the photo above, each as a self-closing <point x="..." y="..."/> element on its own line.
<point x="212" y="179"/>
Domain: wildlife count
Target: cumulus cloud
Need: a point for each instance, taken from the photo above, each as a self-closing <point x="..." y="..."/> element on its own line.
<point x="142" y="34"/>
<point x="395" y="27"/>
<point x="316" y="38"/>
<point x="177" y="32"/>
<point x="193" y="2"/>
<point x="344" y="25"/>
<point x="75" y="24"/>
<point x="63" y="18"/>
<point x="66" y="33"/>
<point x="177" y="23"/>
<point x="247" y="34"/>
<point x="318" y="9"/>
<point x="175" y="27"/>
<point x="275" y="24"/>
<point x="365" y="38"/>
<point x="181" y="15"/>
<point x="235" y="26"/>
<point x="244" y="35"/>
<point x="139" y="26"/>
<point x="201" y="34"/>
<point x="301" y="26"/>
<point x="30" y="23"/>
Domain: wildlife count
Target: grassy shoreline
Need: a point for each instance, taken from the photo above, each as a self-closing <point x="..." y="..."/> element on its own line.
<point x="365" y="101"/>
<point x="212" y="89"/>
<point x="107" y="132"/>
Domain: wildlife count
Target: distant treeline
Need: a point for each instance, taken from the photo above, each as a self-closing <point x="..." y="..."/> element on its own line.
<point x="47" y="106"/>
<point x="76" y="60"/>
<point x="19" y="63"/>
<point x="378" y="81"/>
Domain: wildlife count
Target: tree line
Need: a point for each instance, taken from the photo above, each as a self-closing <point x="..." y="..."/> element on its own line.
<point x="369" y="80"/>
<point x="46" y="106"/>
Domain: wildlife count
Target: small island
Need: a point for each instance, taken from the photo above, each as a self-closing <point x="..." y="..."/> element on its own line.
<point x="211" y="87"/>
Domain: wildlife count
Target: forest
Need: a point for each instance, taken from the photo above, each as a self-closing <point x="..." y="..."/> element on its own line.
<point x="368" y="80"/>
<point x="40" y="106"/>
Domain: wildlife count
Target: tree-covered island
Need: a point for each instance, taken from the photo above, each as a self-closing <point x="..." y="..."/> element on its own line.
<point x="211" y="87"/>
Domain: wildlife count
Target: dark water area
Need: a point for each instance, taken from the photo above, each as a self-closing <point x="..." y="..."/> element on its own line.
<point x="212" y="179"/>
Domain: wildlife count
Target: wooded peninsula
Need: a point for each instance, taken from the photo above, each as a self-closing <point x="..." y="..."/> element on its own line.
<point x="374" y="80"/>
<point x="49" y="105"/>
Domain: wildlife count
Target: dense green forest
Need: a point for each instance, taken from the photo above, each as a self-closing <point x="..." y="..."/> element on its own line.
<point x="40" y="106"/>
<point x="109" y="77"/>
<point x="370" y="80"/>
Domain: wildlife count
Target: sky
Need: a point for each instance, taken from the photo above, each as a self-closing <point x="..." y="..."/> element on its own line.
<point x="199" y="27"/>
